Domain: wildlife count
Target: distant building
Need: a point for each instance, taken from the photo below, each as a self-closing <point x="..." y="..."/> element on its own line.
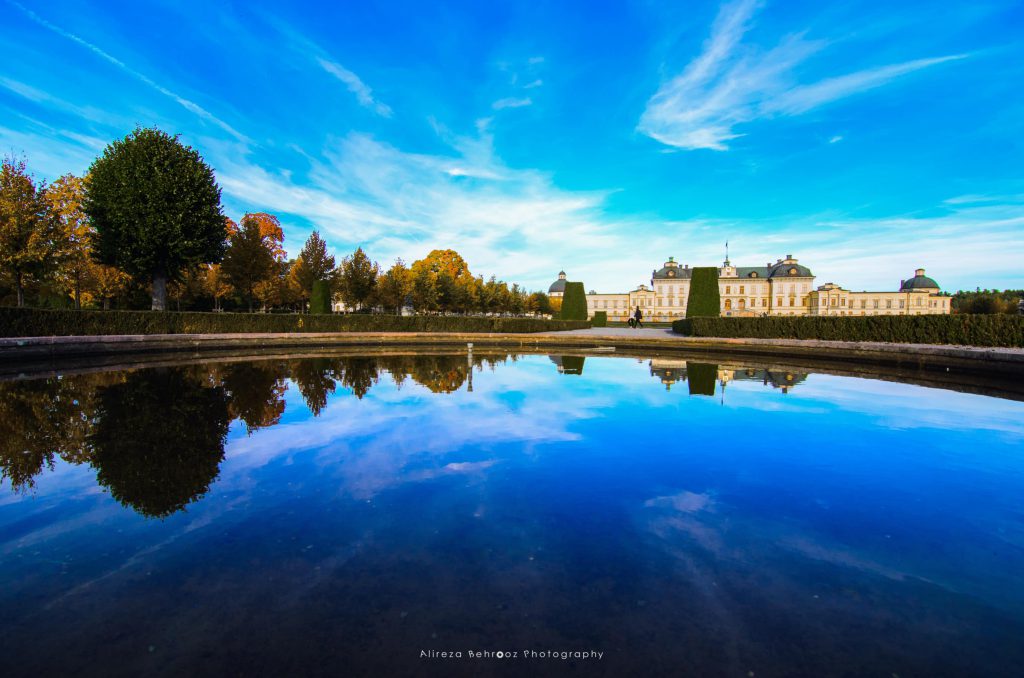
<point x="784" y="288"/>
<point x="557" y="288"/>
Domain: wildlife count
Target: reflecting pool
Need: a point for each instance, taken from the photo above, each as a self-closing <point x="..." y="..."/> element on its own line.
<point x="585" y="515"/>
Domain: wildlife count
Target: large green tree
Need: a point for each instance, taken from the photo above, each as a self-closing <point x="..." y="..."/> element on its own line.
<point x="249" y="260"/>
<point x="358" y="280"/>
<point x="156" y="208"/>
<point x="29" y="233"/>
<point x="314" y="264"/>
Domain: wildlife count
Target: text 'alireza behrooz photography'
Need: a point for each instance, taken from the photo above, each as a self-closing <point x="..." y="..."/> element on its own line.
<point x="613" y="339"/>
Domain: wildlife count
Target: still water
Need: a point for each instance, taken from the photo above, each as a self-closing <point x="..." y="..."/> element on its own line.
<point x="594" y="516"/>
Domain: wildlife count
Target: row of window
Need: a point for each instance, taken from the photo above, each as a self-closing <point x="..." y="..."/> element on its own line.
<point x="742" y="289"/>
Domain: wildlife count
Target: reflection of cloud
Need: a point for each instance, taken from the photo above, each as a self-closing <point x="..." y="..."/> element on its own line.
<point x="367" y="443"/>
<point x="685" y="502"/>
<point x="905" y="406"/>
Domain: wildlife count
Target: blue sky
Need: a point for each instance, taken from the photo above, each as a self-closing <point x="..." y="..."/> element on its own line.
<point x="865" y="138"/>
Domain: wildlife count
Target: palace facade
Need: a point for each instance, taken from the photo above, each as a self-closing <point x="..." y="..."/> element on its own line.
<point x="780" y="289"/>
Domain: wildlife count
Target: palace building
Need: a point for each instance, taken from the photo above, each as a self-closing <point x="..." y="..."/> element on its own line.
<point x="784" y="288"/>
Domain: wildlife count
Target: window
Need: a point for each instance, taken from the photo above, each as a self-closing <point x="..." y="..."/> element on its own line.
<point x="743" y="303"/>
<point x="842" y="302"/>
<point x="901" y="303"/>
<point x="888" y="303"/>
<point x="741" y="289"/>
<point x="863" y="304"/>
<point x="728" y="304"/>
<point x="779" y="301"/>
<point x="875" y="303"/>
<point x="728" y="289"/>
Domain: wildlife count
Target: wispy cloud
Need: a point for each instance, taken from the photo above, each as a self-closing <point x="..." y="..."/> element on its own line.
<point x="511" y="102"/>
<point x="182" y="101"/>
<point x="836" y="139"/>
<point x="731" y="83"/>
<point x="355" y="85"/>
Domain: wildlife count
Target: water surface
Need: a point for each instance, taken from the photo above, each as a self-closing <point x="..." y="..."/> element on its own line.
<point x="345" y="515"/>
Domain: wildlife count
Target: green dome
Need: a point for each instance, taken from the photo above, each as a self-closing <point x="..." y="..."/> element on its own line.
<point x="919" y="282"/>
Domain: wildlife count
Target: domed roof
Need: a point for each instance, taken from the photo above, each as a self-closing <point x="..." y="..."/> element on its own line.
<point x="919" y="282"/>
<point x="558" y="287"/>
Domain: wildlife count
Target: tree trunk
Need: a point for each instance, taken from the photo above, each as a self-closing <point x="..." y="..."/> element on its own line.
<point x="21" y="291"/>
<point x="78" y="291"/>
<point x="106" y="303"/>
<point x="159" y="291"/>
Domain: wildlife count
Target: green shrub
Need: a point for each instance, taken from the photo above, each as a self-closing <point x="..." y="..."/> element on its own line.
<point x="600" y="319"/>
<point x="574" y="302"/>
<point x="964" y="330"/>
<point x="320" y="298"/>
<point x="34" y="322"/>
<point x="704" y="300"/>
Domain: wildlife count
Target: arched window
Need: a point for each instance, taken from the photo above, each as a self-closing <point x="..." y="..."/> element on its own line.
<point x="728" y="304"/>
<point x="743" y="303"/>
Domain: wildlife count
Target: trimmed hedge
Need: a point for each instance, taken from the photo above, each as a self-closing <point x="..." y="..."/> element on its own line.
<point x="574" y="302"/>
<point x="320" y="299"/>
<point x="963" y="330"/>
<point x="35" y="322"/>
<point x="704" y="299"/>
<point x="600" y="319"/>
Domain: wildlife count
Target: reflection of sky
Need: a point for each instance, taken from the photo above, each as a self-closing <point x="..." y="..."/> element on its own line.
<point x="902" y="495"/>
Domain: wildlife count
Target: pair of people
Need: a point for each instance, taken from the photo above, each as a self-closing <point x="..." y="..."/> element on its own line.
<point x="637" y="318"/>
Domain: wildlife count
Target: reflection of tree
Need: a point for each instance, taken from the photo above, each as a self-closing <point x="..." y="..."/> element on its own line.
<point x="315" y="378"/>
<point x="159" y="439"/>
<point x="42" y="419"/>
<point x="256" y="391"/>
<point x="701" y="378"/>
<point x="359" y="375"/>
<point x="440" y="373"/>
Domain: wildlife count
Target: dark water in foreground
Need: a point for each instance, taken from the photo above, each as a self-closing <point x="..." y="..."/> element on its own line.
<point x="342" y="516"/>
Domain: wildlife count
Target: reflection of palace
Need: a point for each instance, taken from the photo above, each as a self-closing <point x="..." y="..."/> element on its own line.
<point x="783" y="288"/>
<point x="671" y="372"/>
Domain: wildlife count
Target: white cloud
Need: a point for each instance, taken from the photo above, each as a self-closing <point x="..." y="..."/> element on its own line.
<point x="512" y="222"/>
<point x="731" y="83"/>
<point x="360" y="89"/>
<point x="836" y="139"/>
<point x="511" y="102"/>
<point x="191" y="106"/>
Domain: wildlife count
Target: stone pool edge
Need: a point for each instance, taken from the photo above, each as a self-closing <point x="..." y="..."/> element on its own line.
<point x="1001" y="361"/>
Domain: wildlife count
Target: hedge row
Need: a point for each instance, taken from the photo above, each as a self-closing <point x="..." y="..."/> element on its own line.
<point x="964" y="330"/>
<point x="600" y="319"/>
<point x="34" y="322"/>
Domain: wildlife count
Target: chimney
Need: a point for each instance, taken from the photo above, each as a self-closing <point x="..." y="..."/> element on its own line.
<point x="919" y="272"/>
<point x="789" y="256"/>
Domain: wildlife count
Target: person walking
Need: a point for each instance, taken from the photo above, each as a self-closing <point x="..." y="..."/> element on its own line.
<point x="638" y="317"/>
